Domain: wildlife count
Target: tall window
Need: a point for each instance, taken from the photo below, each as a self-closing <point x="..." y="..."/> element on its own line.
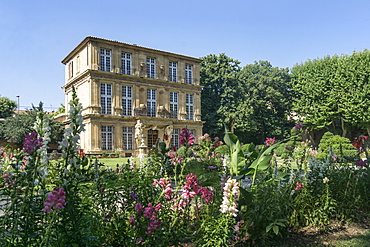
<point x="70" y="69"/>
<point x="174" y="100"/>
<point x="175" y="138"/>
<point x="189" y="74"/>
<point x="126" y="100"/>
<point x="126" y="63"/>
<point x="106" y="98"/>
<point x="128" y="140"/>
<point x="107" y="137"/>
<point x="105" y="60"/>
<point x="150" y="67"/>
<point x="189" y="107"/>
<point x="151" y="102"/>
<point x="173" y="71"/>
<point x="78" y="64"/>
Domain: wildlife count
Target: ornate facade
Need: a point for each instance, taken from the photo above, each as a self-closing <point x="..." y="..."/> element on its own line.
<point x="132" y="96"/>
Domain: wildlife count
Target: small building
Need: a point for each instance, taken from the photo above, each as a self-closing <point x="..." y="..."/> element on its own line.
<point x="132" y="96"/>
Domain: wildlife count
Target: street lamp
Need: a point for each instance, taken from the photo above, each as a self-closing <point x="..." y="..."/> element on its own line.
<point x="18" y="102"/>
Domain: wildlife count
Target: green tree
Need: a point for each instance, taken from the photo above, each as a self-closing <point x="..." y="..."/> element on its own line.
<point x="218" y="78"/>
<point x="7" y="107"/>
<point x="61" y="109"/>
<point x="265" y="103"/>
<point x="16" y="126"/>
<point x="333" y="92"/>
<point x="356" y="92"/>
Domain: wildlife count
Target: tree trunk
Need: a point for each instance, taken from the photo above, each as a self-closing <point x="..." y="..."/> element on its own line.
<point x="368" y="131"/>
<point x="344" y="130"/>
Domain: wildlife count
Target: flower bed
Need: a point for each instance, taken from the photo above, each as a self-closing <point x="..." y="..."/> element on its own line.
<point x="196" y="194"/>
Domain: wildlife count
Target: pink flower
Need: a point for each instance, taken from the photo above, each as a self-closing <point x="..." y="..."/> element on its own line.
<point x="206" y="194"/>
<point x="56" y="200"/>
<point x="186" y="138"/>
<point x="165" y="184"/>
<point x="270" y="141"/>
<point x="139" y="208"/>
<point x="298" y="185"/>
<point x="186" y="194"/>
<point x="132" y="220"/>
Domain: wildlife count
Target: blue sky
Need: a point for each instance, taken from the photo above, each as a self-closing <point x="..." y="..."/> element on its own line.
<point x="36" y="35"/>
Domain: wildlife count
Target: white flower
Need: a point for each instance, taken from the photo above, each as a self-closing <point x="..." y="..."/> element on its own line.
<point x="230" y="197"/>
<point x="325" y="180"/>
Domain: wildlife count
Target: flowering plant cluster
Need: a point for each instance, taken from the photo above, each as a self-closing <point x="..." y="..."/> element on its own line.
<point x="55" y="201"/>
<point x="150" y="214"/>
<point x="31" y="142"/>
<point x="165" y="185"/>
<point x="270" y="141"/>
<point x="192" y="188"/>
<point x="230" y="197"/>
<point x="186" y="138"/>
<point x="133" y="204"/>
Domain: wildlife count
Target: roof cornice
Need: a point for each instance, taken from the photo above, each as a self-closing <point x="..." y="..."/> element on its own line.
<point x="133" y="46"/>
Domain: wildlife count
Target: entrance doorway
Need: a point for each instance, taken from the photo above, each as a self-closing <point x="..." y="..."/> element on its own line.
<point x="152" y="138"/>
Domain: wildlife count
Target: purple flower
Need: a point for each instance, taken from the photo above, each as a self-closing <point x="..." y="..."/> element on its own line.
<point x="31" y="142"/>
<point x="134" y="196"/>
<point x="212" y="167"/>
<point x="56" y="200"/>
<point x="298" y="126"/>
<point x="360" y="163"/>
<point x="139" y="208"/>
<point x="288" y="147"/>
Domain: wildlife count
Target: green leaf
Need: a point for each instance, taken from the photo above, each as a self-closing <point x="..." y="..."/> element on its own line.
<point x="246" y="197"/>
<point x="275" y="228"/>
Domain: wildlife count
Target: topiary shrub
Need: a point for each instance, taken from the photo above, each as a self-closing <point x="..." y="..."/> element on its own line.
<point x="341" y="146"/>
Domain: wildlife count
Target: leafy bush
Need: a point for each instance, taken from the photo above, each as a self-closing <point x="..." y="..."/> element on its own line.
<point x="339" y="146"/>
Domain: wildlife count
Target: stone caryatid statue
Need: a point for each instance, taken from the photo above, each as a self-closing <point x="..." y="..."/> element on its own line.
<point x="168" y="135"/>
<point x="139" y="135"/>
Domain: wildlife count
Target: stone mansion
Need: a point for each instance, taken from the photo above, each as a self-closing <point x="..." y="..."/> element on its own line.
<point x="132" y="96"/>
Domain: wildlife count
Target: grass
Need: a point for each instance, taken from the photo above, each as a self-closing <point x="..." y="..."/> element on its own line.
<point x="112" y="162"/>
<point x="359" y="240"/>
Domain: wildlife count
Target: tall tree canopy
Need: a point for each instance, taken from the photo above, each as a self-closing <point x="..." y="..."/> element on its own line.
<point x="333" y="92"/>
<point x="253" y="101"/>
<point x="7" y="107"/>
<point x="265" y="102"/>
<point x="218" y="78"/>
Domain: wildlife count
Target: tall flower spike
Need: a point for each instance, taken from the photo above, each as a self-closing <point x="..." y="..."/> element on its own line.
<point x="72" y="134"/>
<point x="55" y="201"/>
<point x="230" y="199"/>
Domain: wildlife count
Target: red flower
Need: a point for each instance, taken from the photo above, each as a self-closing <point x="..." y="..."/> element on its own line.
<point x="358" y="141"/>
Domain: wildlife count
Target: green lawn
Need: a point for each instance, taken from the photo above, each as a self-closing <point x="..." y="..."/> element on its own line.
<point x="112" y="162"/>
<point x="359" y="240"/>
